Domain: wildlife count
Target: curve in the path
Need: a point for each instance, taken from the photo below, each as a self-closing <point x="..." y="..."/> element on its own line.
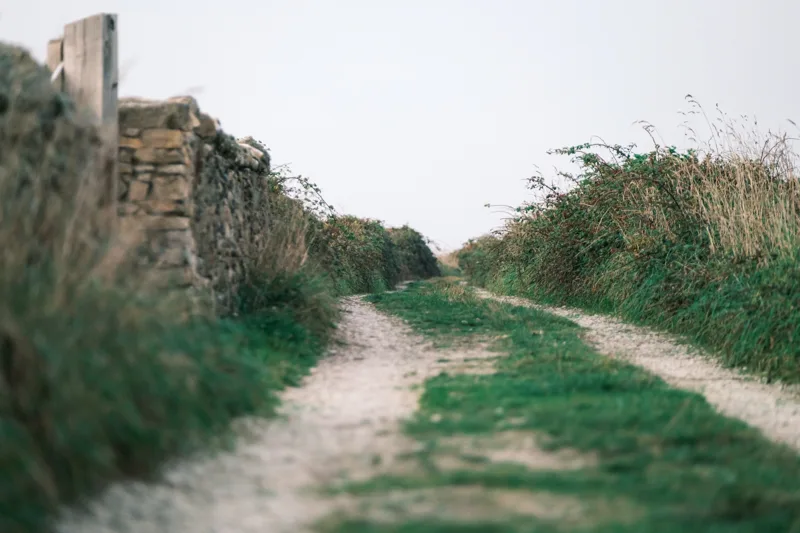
<point x="772" y="408"/>
<point x="339" y="425"/>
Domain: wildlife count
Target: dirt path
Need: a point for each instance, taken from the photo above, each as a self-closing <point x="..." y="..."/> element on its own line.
<point x="341" y="424"/>
<point x="774" y="409"/>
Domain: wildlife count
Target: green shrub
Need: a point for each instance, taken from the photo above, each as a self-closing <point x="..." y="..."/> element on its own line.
<point x="358" y="254"/>
<point x="701" y="243"/>
<point x="414" y="257"/>
<point x="101" y="375"/>
<point x="448" y="264"/>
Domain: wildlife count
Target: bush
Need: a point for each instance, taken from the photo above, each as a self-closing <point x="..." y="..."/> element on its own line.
<point x="101" y="375"/>
<point x="448" y="264"/>
<point x="104" y="376"/>
<point x="414" y="257"/>
<point x="358" y="254"/>
<point x="704" y="243"/>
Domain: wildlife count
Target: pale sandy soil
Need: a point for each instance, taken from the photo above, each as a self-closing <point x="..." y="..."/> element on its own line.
<point x="341" y="424"/>
<point x="772" y="408"/>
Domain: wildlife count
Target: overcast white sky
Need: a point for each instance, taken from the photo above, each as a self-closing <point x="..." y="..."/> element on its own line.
<point x="422" y="111"/>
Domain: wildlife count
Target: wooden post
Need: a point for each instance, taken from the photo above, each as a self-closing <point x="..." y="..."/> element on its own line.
<point x="90" y="76"/>
<point x="90" y="65"/>
<point x="55" y="57"/>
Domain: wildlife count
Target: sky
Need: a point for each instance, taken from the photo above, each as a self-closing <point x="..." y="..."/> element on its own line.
<point x="423" y="111"/>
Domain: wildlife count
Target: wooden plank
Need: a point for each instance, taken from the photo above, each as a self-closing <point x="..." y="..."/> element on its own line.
<point x="91" y="78"/>
<point x="90" y="64"/>
<point x="54" y="59"/>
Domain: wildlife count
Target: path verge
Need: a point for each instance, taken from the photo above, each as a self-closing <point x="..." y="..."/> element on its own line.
<point x="631" y="452"/>
<point x="342" y="425"/>
<point x="772" y="408"/>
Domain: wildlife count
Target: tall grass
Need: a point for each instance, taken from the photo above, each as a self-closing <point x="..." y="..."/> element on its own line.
<point x="362" y="256"/>
<point x="448" y="264"/>
<point x="703" y="242"/>
<point x="355" y="255"/>
<point x="103" y="375"/>
<point x="100" y="376"/>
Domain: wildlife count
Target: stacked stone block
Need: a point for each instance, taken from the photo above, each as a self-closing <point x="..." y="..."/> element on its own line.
<point x="194" y="196"/>
<point x="231" y="213"/>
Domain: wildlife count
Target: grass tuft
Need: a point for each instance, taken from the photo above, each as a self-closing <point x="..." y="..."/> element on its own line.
<point x="666" y="460"/>
<point x="102" y="374"/>
<point x="703" y="242"/>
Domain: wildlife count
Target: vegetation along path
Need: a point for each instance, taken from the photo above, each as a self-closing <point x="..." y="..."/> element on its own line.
<point x="472" y="414"/>
<point x="772" y="408"/>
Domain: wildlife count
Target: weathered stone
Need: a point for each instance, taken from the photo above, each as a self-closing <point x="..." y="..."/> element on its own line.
<point x="249" y="157"/>
<point x="186" y="100"/>
<point x="163" y="138"/>
<point x="258" y="150"/>
<point x="163" y="240"/>
<point x="173" y="169"/>
<point x="160" y="223"/>
<point x="207" y="128"/>
<point x="130" y="142"/>
<point x="126" y="209"/>
<point x="168" y="207"/>
<point x="252" y="143"/>
<point x="124" y="168"/>
<point x="158" y="156"/>
<point x="131" y="224"/>
<point x="171" y="188"/>
<point x="137" y="191"/>
<point x="169" y="148"/>
<point x="175" y="113"/>
<point x="187" y="155"/>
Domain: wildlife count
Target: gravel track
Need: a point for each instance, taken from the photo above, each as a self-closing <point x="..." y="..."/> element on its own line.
<point x="341" y="424"/>
<point x="772" y="408"/>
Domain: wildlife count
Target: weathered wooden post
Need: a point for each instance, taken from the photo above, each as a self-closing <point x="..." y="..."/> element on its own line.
<point x="55" y="62"/>
<point x="84" y="64"/>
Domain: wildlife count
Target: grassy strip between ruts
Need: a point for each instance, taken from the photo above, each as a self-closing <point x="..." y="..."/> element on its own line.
<point x="666" y="462"/>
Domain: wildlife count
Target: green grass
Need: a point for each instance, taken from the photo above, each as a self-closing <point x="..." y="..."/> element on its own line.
<point x="704" y="243"/>
<point x="104" y="375"/>
<point x="118" y="385"/>
<point x="665" y="452"/>
<point x="448" y="271"/>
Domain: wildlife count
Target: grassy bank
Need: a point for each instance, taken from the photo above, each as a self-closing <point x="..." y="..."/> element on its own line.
<point x="104" y="375"/>
<point x="704" y="243"/>
<point x="363" y="256"/>
<point x="662" y="459"/>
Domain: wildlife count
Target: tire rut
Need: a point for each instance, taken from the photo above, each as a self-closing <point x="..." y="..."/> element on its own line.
<point x="772" y="408"/>
<point x="341" y="425"/>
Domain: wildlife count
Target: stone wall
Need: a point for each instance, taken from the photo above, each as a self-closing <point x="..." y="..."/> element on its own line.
<point x="195" y="195"/>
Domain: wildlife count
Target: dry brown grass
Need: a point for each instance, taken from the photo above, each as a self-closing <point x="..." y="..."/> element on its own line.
<point x="283" y="250"/>
<point x="743" y="186"/>
<point x="750" y="207"/>
<point x="449" y="259"/>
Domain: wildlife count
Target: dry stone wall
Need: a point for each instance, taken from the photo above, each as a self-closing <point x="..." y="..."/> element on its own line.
<point x="195" y="196"/>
